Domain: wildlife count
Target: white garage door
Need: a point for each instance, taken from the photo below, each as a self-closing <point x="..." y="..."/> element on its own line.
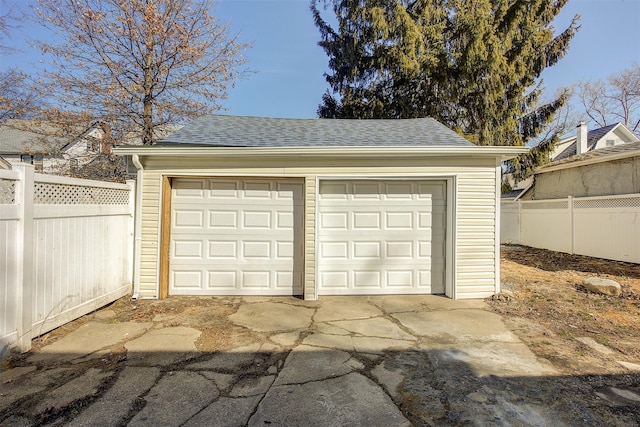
<point x="236" y="237"/>
<point x="381" y="237"/>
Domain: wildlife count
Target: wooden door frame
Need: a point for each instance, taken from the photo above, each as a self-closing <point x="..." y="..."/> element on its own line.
<point x="165" y="237"/>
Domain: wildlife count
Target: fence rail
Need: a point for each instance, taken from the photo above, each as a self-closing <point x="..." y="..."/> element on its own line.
<point x="604" y="227"/>
<point x="66" y="249"/>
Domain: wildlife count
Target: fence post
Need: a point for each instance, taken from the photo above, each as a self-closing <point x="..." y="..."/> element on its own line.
<point x="571" y="227"/>
<point x="24" y="250"/>
<point x="132" y="220"/>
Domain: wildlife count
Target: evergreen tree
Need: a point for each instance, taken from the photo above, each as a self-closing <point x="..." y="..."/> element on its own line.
<point x="474" y="65"/>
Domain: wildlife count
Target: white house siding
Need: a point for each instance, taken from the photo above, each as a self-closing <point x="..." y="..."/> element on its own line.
<point x="476" y="231"/>
<point x="310" y="291"/>
<point x="150" y="235"/>
<point x="474" y="219"/>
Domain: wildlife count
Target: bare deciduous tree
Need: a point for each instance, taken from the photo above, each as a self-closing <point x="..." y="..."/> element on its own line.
<point x="146" y="63"/>
<point x="616" y="99"/>
<point x="15" y="98"/>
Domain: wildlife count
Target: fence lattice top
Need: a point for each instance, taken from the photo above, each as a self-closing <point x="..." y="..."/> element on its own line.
<point x="7" y="192"/>
<point x="62" y="194"/>
<point x="603" y="203"/>
<point x="552" y="204"/>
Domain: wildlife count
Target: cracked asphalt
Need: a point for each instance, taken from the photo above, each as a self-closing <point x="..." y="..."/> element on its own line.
<point x="347" y="361"/>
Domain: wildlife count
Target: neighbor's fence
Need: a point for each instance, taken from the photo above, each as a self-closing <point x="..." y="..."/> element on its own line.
<point x="66" y="248"/>
<point x="603" y="227"/>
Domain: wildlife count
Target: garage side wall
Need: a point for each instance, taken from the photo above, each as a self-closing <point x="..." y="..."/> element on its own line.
<point x="477" y="268"/>
<point x="150" y="234"/>
<point x="474" y="216"/>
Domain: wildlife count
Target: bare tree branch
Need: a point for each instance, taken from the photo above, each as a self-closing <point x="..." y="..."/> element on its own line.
<point x="143" y="62"/>
<point x="616" y="99"/>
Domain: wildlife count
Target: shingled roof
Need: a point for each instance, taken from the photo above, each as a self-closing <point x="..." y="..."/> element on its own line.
<point x="594" y="154"/>
<point x="237" y="131"/>
<point x="593" y="136"/>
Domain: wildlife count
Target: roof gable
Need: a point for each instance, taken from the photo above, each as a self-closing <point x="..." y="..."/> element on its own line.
<point x="237" y="131"/>
<point x="34" y="136"/>
<point x="593" y="137"/>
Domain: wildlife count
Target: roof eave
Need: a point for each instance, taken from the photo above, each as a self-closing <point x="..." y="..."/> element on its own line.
<point x="502" y="153"/>
<point x="585" y="162"/>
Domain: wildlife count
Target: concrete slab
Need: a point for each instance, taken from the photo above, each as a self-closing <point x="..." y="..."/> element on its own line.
<point x="350" y="400"/>
<point x="594" y="345"/>
<point x="223" y="381"/>
<point x="26" y="385"/>
<point x="306" y="363"/>
<point x="162" y="346"/>
<point x="338" y="342"/>
<point x="389" y="378"/>
<point x="83" y="342"/>
<point x="104" y="314"/>
<point x="272" y="317"/>
<point x="457" y="326"/>
<point x="406" y="303"/>
<point x="117" y="402"/>
<point x="494" y="358"/>
<point x="252" y="386"/>
<point x="630" y="366"/>
<point x="175" y="399"/>
<point x="286" y="339"/>
<point x="12" y="374"/>
<point x="225" y="412"/>
<point x="376" y="345"/>
<point x="326" y="328"/>
<point x="345" y="308"/>
<point x="15" y="421"/>
<point x="228" y="360"/>
<point x="78" y="388"/>
<point x="374" y="327"/>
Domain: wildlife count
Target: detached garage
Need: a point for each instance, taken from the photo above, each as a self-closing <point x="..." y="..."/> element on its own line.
<point x="262" y="206"/>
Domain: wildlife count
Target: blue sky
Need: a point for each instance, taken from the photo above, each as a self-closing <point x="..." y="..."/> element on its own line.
<point x="287" y="65"/>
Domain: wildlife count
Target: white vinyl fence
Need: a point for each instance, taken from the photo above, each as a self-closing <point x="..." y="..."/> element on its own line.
<point x="604" y="227"/>
<point x="66" y="249"/>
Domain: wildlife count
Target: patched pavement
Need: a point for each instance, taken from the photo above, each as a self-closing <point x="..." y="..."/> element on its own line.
<point x="347" y="361"/>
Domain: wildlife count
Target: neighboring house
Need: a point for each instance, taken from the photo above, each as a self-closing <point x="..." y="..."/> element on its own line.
<point x="264" y="206"/>
<point x="586" y="140"/>
<point x="581" y="142"/>
<point x="44" y="146"/>
<point x="603" y="172"/>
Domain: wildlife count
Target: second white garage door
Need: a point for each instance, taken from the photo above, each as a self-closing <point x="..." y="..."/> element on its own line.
<point x="381" y="237"/>
<point x="233" y="236"/>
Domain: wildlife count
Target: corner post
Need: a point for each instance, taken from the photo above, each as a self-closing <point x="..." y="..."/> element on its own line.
<point x="24" y="246"/>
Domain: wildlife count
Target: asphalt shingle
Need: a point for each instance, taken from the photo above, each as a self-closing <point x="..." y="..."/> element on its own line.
<point x="593" y="136"/>
<point x="237" y="131"/>
<point x="594" y="154"/>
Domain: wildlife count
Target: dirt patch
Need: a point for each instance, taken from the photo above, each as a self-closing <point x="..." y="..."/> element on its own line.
<point x="545" y="303"/>
<point x="593" y="339"/>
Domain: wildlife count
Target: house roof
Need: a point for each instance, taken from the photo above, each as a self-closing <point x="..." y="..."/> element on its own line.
<point x="594" y="156"/>
<point x="593" y="136"/>
<point x="35" y="136"/>
<point x="236" y="131"/>
<point x="16" y="139"/>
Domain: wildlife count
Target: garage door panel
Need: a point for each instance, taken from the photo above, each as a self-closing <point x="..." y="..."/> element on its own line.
<point x="249" y="244"/>
<point x="392" y="242"/>
<point x="188" y="218"/>
<point x="188" y="249"/>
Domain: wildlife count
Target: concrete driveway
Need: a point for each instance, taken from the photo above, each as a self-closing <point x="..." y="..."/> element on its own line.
<point x="348" y="361"/>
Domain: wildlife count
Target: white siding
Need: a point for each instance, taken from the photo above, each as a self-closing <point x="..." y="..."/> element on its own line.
<point x="475" y="207"/>
<point x="476" y="232"/>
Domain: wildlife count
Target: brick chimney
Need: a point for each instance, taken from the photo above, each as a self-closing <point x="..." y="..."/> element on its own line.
<point x="581" y="141"/>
